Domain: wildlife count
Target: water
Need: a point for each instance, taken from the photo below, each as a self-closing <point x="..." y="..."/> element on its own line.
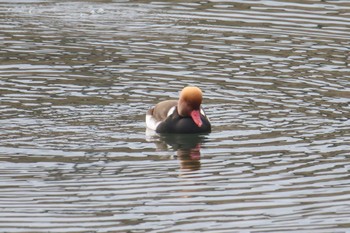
<point x="76" y="79"/>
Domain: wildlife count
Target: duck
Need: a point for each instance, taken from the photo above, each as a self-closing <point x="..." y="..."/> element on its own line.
<point x="182" y="116"/>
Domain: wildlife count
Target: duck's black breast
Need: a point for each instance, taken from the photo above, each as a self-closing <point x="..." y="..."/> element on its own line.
<point x="183" y="125"/>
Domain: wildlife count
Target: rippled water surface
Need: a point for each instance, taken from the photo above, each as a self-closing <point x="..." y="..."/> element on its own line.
<point x="76" y="78"/>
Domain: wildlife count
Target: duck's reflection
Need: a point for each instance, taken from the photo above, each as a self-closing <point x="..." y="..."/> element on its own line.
<point x="187" y="147"/>
<point x="189" y="158"/>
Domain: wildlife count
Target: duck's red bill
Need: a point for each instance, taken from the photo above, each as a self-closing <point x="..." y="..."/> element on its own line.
<point x="196" y="117"/>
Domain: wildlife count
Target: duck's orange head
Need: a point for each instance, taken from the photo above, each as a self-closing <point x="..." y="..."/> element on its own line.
<point x="192" y="96"/>
<point x="189" y="103"/>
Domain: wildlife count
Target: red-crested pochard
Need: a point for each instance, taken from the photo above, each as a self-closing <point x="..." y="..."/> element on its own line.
<point x="182" y="116"/>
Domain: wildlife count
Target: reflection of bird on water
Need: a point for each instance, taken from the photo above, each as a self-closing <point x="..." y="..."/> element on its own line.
<point x="183" y="116"/>
<point x="190" y="158"/>
<point x="187" y="148"/>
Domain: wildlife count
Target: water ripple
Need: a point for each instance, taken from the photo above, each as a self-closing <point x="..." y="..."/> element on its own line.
<point x="77" y="78"/>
